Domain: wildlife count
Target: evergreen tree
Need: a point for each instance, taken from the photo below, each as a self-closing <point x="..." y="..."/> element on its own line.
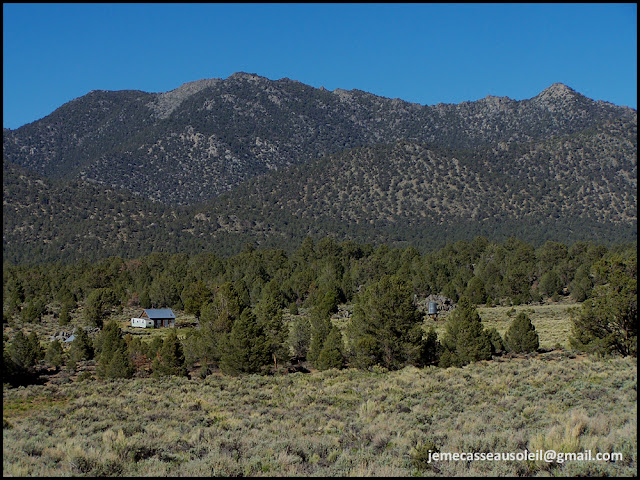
<point x="431" y="348"/>
<point x="270" y="319"/>
<point x="113" y="360"/>
<point x="154" y="347"/>
<point x="193" y="297"/>
<point x="550" y="284"/>
<point x="607" y="322"/>
<point x="64" y="315"/>
<point x="81" y="348"/>
<point x="497" y="342"/>
<point x="11" y="371"/>
<point x="521" y="337"/>
<point x="581" y="285"/>
<point x="300" y="337"/>
<point x="225" y="309"/>
<point x="36" y="350"/>
<point x="54" y="356"/>
<point x="386" y="327"/>
<point x="475" y="291"/>
<point x="331" y="355"/>
<point x="170" y="358"/>
<point x="98" y="305"/>
<point x="320" y="324"/>
<point x="25" y="351"/>
<point x="465" y="340"/>
<point x="244" y="350"/>
<point x="33" y="311"/>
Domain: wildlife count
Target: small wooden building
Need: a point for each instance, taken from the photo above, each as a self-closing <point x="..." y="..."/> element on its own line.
<point x="155" y="318"/>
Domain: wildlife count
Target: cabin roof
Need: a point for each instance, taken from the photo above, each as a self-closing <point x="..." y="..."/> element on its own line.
<point x="159" y="313"/>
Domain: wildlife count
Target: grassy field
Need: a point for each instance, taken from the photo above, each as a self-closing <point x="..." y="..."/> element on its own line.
<point x="333" y="423"/>
<point x="337" y="423"/>
<point x="552" y="321"/>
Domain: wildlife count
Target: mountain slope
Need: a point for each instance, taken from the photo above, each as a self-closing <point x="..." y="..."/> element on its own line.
<point x="406" y="193"/>
<point x="216" y="163"/>
<point x="206" y="137"/>
<point x="417" y="193"/>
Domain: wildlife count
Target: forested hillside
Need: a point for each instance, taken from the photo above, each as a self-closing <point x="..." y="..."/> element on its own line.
<point x="216" y="164"/>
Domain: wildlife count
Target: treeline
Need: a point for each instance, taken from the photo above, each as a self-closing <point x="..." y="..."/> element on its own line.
<point x="240" y="303"/>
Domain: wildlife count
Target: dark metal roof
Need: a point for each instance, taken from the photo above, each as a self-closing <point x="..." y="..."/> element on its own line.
<point x="159" y="313"/>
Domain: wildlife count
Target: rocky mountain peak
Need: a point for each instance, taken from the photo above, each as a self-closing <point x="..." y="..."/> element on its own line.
<point x="167" y="102"/>
<point x="557" y="91"/>
<point x="251" y="77"/>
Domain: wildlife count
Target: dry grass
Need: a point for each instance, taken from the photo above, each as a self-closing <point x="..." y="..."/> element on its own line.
<point x="332" y="423"/>
<point x="552" y="321"/>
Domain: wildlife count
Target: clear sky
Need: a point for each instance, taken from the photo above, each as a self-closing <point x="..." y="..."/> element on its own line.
<point x="423" y="53"/>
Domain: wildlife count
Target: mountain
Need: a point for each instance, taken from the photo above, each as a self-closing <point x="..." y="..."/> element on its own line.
<point x="206" y="137"/>
<point x="217" y="163"/>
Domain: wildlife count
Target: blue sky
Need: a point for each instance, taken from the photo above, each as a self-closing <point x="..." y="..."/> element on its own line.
<point x="422" y="53"/>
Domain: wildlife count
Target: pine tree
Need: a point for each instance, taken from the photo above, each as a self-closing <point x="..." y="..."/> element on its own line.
<point x="497" y="342"/>
<point x="98" y="305"/>
<point x="320" y="327"/>
<point x="430" y="348"/>
<point x="113" y="361"/>
<point x="331" y="355"/>
<point x="244" y="350"/>
<point x="54" y="356"/>
<point x="465" y="340"/>
<point x="521" y="337"/>
<point x="22" y="352"/>
<point x="36" y="351"/>
<point x="386" y="327"/>
<point x="270" y="318"/>
<point x="170" y="358"/>
<point x="64" y="316"/>
<point x="607" y="323"/>
<point x="300" y="337"/>
<point x="81" y="348"/>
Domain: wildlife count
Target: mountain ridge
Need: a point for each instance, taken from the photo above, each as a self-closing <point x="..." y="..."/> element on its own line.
<point x="246" y="125"/>
<point x="224" y="160"/>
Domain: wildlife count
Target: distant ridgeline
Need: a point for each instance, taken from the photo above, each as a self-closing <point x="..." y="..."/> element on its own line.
<point x="216" y="164"/>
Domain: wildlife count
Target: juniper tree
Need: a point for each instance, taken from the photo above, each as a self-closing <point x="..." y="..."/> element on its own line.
<point x="465" y="340"/>
<point x="521" y="337"/>
<point x="170" y="357"/>
<point x="54" y="356"/>
<point x="331" y="355"/>
<point x="113" y="360"/>
<point x="243" y="350"/>
<point x="386" y="327"/>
